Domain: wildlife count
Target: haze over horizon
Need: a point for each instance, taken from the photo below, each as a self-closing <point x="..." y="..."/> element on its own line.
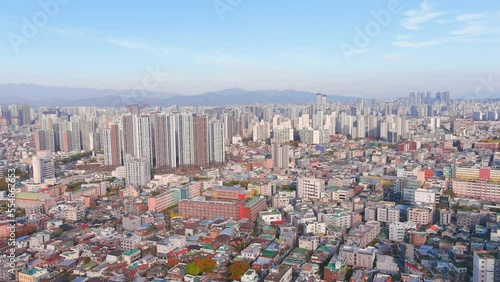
<point x="376" y="49"/>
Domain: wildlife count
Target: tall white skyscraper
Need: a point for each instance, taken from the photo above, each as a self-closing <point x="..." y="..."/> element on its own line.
<point x="261" y="131"/>
<point x="360" y="127"/>
<point x="318" y="120"/>
<point x="331" y="123"/>
<point x="185" y="139"/>
<point x="111" y="144"/>
<point x="216" y="141"/>
<point x="143" y="145"/>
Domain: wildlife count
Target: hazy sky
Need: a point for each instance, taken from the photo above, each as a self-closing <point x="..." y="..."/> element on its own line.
<point x="359" y="48"/>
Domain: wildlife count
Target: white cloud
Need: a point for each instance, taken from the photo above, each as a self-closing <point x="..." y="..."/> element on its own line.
<point x="404" y="37"/>
<point x="415" y="18"/>
<point x="226" y="60"/>
<point x="475" y="30"/>
<point x="464" y="29"/>
<point x="358" y="51"/>
<point x="392" y="57"/>
<point x="128" y="44"/>
<point x="422" y="44"/>
<point x="469" y="17"/>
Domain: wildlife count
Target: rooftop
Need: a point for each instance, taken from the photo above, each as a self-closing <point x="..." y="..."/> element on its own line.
<point x="129" y="253"/>
<point x="488" y="254"/>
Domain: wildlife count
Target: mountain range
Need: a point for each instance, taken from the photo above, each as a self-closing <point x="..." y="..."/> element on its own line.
<point x="38" y="95"/>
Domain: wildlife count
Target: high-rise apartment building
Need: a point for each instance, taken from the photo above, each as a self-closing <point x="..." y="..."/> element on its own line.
<point x="216" y="142"/>
<point x="111" y="143"/>
<point x="137" y="171"/>
<point x="43" y="167"/>
<point x="200" y="132"/>
<point x="127" y="134"/>
<point x="280" y="156"/>
<point x="164" y="141"/>
<point x="185" y="139"/>
<point x="143" y="145"/>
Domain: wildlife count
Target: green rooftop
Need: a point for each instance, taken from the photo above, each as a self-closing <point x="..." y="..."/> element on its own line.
<point x="269" y="254"/>
<point x="253" y="201"/>
<point x="31" y="271"/>
<point x="129" y="253"/>
<point x="300" y="250"/>
<point x="27" y="195"/>
<point x="270" y="213"/>
<point x="89" y="265"/>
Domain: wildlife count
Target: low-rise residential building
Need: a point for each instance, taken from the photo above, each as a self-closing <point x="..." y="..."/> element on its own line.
<point x="421" y="216"/>
<point x="363" y="234"/>
<point x="358" y="257"/>
<point x="398" y="230"/>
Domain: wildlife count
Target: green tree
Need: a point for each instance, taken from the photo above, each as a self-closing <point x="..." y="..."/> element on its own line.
<point x="237" y="269"/>
<point x="193" y="269"/>
<point x="57" y="232"/>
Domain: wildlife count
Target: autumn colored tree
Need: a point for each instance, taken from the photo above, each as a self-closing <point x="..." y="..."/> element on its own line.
<point x="237" y="269"/>
<point x="206" y="265"/>
<point x="172" y="262"/>
<point x="193" y="269"/>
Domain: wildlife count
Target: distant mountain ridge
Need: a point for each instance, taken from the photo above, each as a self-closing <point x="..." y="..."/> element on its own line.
<point x="37" y="95"/>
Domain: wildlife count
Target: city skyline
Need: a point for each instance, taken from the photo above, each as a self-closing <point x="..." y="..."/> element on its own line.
<point x="253" y="141"/>
<point x="380" y="49"/>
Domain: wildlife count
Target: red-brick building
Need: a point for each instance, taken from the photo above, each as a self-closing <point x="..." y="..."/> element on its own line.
<point x="211" y="209"/>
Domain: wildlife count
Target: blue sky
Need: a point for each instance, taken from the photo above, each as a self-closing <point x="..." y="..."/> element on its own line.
<point x="336" y="47"/>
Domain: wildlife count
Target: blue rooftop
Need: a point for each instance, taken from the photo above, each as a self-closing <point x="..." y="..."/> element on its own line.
<point x="22" y="238"/>
<point x="67" y="262"/>
<point x="227" y="231"/>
